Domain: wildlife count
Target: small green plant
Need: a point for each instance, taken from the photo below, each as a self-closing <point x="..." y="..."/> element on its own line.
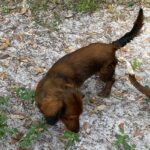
<point x="85" y="5"/>
<point x="37" y="5"/>
<point x="122" y="139"/>
<point x="131" y="3"/>
<point x="25" y="94"/>
<point x="55" y="22"/>
<point x="5" y="7"/>
<point x="70" y="138"/>
<point x="3" y="124"/>
<point x="3" y="100"/>
<point x="4" y="129"/>
<point x="33" y="132"/>
<point x="136" y="63"/>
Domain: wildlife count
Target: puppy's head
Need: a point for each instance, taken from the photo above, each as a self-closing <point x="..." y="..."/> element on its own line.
<point x="52" y="108"/>
<point x="66" y="106"/>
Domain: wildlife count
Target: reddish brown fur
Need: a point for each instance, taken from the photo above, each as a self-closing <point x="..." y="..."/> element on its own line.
<point x="57" y="94"/>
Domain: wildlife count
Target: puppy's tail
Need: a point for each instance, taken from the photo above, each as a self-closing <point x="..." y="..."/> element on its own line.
<point x="133" y="33"/>
<point x="138" y="86"/>
<point x="134" y="82"/>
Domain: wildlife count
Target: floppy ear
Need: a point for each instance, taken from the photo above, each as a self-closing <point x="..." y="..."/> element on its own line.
<point x="52" y="109"/>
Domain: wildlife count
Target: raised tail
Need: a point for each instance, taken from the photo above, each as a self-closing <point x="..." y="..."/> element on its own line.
<point x="133" y="33"/>
<point x="138" y="86"/>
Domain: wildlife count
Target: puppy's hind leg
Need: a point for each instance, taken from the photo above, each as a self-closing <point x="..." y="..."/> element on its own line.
<point x="106" y="74"/>
<point x="107" y="89"/>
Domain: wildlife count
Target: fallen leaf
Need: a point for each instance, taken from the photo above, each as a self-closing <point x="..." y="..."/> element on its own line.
<point x="12" y="116"/>
<point x="86" y="127"/>
<point x="125" y="49"/>
<point x="147" y="39"/>
<point x="3" y="75"/>
<point x="5" y="43"/>
<point x="16" y="138"/>
<point x="32" y="44"/>
<point x="24" y="59"/>
<point x="139" y="78"/>
<point x="93" y="100"/>
<point x="4" y="56"/>
<point x="137" y="133"/>
<point x="23" y="10"/>
<point x="118" y="93"/>
<point x="100" y="108"/>
<point x="38" y="70"/>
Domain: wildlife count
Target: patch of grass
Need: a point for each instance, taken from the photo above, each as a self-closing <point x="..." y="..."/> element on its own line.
<point x="122" y="140"/>
<point x="68" y="4"/>
<point x="33" y="132"/>
<point x="3" y="100"/>
<point x="4" y="129"/>
<point x="136" y="63"/>
<point x="70" y="138"/>
<point x="25" y="94"/>
<point x="85" y="5"/>
<point x="3" y="124"/>
<point x="131" y="3"/>
<point x="55" y="21"/>
<point x="4" y="7"/>
<point x="37" y="5"/>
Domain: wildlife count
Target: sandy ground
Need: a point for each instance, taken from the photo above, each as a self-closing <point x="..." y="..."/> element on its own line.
<point x="33" y="50"/>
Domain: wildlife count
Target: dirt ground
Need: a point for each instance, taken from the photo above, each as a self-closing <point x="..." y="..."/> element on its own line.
<point x="32" y="51"/>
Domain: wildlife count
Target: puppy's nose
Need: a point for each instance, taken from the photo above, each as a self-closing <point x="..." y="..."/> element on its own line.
<point x="51" y="120"/>
<point x="75" y="130"/>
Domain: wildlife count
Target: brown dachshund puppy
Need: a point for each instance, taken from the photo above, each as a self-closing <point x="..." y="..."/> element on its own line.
<point x="57" y="94"/>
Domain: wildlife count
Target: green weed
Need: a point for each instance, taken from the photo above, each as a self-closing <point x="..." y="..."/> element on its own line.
<point x="55" y="22"/>
<point x="131" y="3"/>
<point x="25" y="94"/>
<point x="3" y="124"/>
<point x="4" y="7"/>
<point x="3" y="100"/>
<point x="122" y="140"/>
<point x="70" y="138"/>
<point x="33" y="132"/>
<point x="85" y="5"/>
<point x="136" y="63"/>
<point x="38" y="5"/>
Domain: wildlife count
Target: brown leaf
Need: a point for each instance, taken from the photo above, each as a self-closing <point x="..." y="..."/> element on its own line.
<point x="24" y="59"/>
<point x="23" y="10"/>
<point x="32" y="44"/>
<point x="93" y="100"/>
<point x="86" y="127"/>
<point x="16" y="138"/>
<point x="147" y="39"/>
<point x="137" y="132"/>
<point x="139" y="78"/>
<point x="38" y="70"/>
<point x="4" y="56"/>
<point x="12" y="116"/>
<point x="5" y="43"/>
<point x="19" y="37"/>
<point x="3" y="75"/>
<point x="118" y="93"/>
<point x="125" y="49"/>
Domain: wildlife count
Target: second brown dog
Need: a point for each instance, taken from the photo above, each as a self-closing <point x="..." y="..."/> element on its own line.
<point x="58" y="95"/>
